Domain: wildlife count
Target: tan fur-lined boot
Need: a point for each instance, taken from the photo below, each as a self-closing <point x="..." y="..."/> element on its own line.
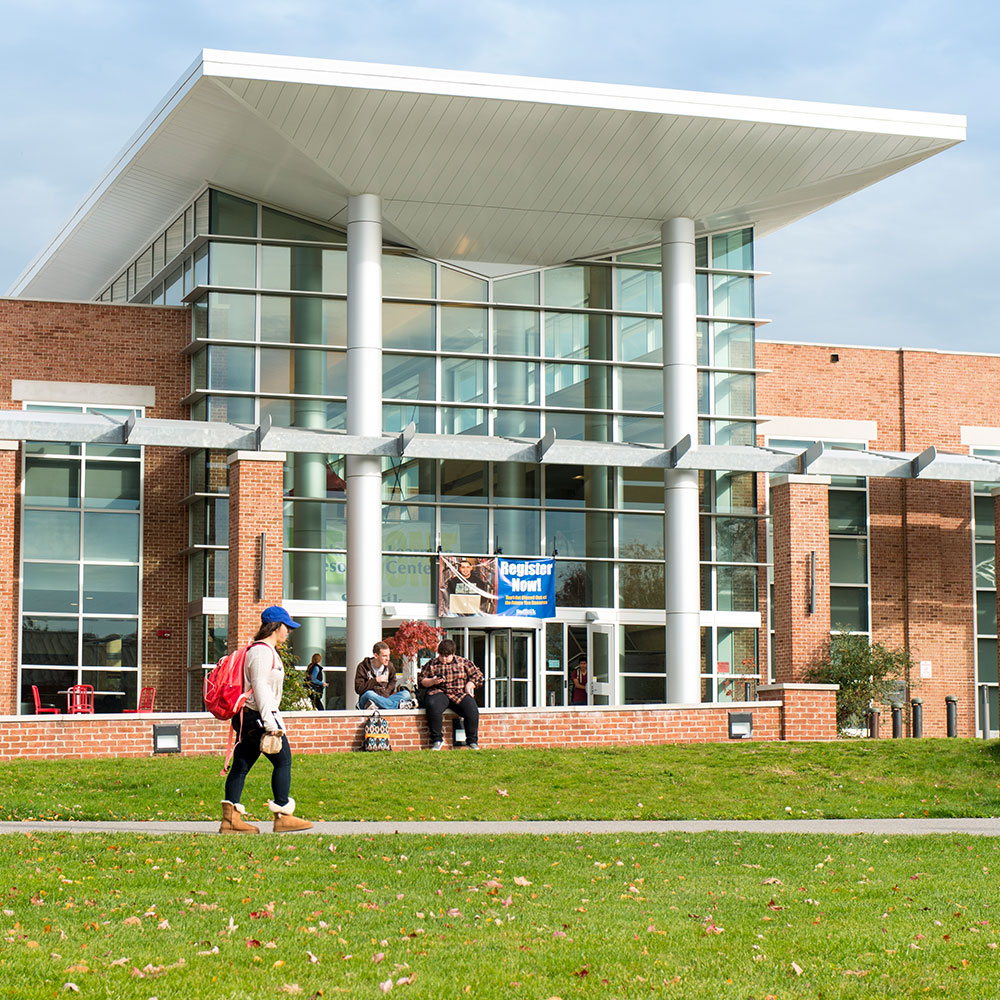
<point x="232" y="819"/>
<point x="284" y="821"/>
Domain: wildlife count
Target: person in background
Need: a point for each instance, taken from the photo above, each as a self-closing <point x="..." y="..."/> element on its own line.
<point x="578" y="677"/>
<point x="264" y="676"/>
<point x="375" y="682"/>
<point x="450" y="681"/>
<point x="314" y="679"/>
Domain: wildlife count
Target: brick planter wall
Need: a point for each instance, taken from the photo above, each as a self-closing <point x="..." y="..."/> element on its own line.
<point x="64" y="737"/>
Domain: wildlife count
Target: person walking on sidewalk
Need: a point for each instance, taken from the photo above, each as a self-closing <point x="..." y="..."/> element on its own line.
<point x="450" y="681"/>
<point x="375" y="682"/>
<point x="260" y="721"/>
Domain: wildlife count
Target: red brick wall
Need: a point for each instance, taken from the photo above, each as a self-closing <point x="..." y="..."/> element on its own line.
<point x="120" y="345"/>
<point x="329" y="732"/>
<point x="921" y="547"/>
<point x="809" y="711"/>
<point x="255" y="506"/>
<point x="801" y="526"/>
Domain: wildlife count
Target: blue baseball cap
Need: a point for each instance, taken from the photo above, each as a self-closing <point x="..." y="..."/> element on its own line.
<point x="276" y="613"/>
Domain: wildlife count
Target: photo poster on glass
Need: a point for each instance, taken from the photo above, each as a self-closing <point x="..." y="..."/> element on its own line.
<point x="467" y="585"/>
<point x="495" y="585"/>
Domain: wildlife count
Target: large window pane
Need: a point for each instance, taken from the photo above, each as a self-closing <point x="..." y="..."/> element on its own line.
<point x="736" y="588"/>
<point x="463" y="329"/>
<point x="515" y="332"/>
<point x="411" y="479"/>
<point x="515" y="483"/>
<point x="516" y="423"/>
<point x="463" y="420"/>
<point x="228" y="316"/>
<point x="51" y="587"/>
<point x="462" y="481"/>
<point x="642" y="389"/>
<point x="583" y="584"/>
<point x="578" y="386"/>
<point x="111" y="537"/>
<point x="113" y="485"/>
<point x="639" y="291"/>
<point x="277" y="225"/>
<point x="640" y="536"/>
<point x="465" y="529"/>
<point x="407" y="528"/>
<point x="986" y="566"/>
<point x="640" y="339"/>
<point x="641" y="585"/>
<point x="407" y="327"/>
<point x="578" y="286"/>
<point x="521" y="289"/>
<point x="49" y="641"/>
<point x="407" y="277"/>
<point x="734" y="395"/>
<point x="736" y="539"/>
<point x="518" y="531"/>
<point x="407" y="377"/>
<point x="848" y="560"/>
<point x="315" y="525"/>
<point x="109" y="590"/>
<point x="849" y="609"/>
<point x="51" y="534"/>
<point x="515" y="382"/>
<point x="461" y="286"/>
<point x="232" y="264"/>
<point x="463" y="380"/>
<point x="643" y="649"/>
<point x="578" y="533"/>
<point x="409" y="579"/>
<point x="110" y="642"/>
<point x="847" y="513"/>
<point x="732" y="296"/>
<point x="733" y="251"/>
<point x="986" y="612"/>
<point x="734" y="345"/>
<point x="231" y="216"/>
<point x="51" y="483"/>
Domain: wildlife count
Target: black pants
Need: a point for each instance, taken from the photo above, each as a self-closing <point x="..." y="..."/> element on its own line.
<point x="246" y="754"/>
<point x="437" y="703"/>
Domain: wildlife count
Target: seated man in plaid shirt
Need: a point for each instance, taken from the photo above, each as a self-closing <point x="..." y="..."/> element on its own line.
<point x="450" y="680"/>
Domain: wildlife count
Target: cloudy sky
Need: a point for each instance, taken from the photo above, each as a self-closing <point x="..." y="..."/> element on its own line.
<point x="905" y="263"/>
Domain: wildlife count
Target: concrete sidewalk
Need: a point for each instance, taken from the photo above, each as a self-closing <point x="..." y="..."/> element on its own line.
<point x="878" y="827"/>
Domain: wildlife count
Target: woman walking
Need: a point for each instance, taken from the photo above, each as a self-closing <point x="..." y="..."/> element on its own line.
<point x="260" y="721"/>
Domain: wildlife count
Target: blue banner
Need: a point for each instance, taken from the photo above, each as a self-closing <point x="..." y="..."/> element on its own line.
<point x="526" y="588"/>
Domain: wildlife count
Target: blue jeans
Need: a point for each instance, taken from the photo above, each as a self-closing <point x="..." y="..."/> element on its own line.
<point x="367" y="698"/>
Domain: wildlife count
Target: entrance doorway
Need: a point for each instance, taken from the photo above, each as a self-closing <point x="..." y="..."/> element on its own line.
<point x="506" y="657"/>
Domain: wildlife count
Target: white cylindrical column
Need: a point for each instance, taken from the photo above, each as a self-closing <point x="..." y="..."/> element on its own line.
<point x="680" y="493"/>
<point x="364" y="417"/>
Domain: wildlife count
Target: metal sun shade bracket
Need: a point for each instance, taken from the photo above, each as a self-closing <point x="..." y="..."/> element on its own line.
<point x="262" y="430"/>
<point x="810" y="456"/>
<point x="128" y="426"/>
<point x="679" y="450"/>
<point x="922" y="461"/>
<point x="544" y="444"/>
<point x="405" y="437"/>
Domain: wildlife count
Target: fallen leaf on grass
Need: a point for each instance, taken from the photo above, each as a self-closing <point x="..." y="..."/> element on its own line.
<point x="502" y="792"/>
<point x="131" y="921"/>
<point x="859" y="972"/>
<point x="582" y="973"/>
<point x="772" y="881"/>
<point x="521" y="880"/>
<point x="386" y="986"/>
<point x="214" y="950"/>
<point x="71" y="986"/>
<point x="406" y="980"/>
<point x="378" y="956"/>
<point x="312" y="958"/>
<point x="290" y="988"/>
<point x="796" y="968"/>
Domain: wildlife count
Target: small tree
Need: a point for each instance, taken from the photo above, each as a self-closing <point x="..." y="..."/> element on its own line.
<point x="294" y="693"/>
<point x="867" y="672"/>
<point x="409" y="640"/>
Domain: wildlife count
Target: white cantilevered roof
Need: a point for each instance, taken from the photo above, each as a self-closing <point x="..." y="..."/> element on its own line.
<point x="473" y="166"/>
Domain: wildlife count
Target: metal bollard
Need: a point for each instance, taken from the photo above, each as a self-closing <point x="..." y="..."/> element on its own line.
<point x="872" y="718"/>
<point x="984" y="711"/>
<point x="951" y="705"/>
<point x="918" y="717"/>
<point x="897" y="719"/>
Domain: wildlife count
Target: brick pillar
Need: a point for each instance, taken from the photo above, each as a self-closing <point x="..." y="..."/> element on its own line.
<point x="9" y="469"/>
<point x="255" y="507"/>
<point x="801" y="529"/>
<point x="808" y="711"/>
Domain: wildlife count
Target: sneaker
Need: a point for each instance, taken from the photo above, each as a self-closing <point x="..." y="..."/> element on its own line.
<point x="408" y="704"/>
<point x="471" y="746"/>
<point x="439" y="745"/>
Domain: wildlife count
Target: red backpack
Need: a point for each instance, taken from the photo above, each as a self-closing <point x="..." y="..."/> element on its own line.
<point x="224" y="693"/>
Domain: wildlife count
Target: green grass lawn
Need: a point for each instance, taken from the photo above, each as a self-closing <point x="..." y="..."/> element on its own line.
<point x="716" y="781"/>
<point x="713" y="915"/>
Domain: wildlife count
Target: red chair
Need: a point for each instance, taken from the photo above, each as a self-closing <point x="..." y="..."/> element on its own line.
<point x="38" y="704"/>
<point x="146" y="696"/>
<point x="80" y="699"/>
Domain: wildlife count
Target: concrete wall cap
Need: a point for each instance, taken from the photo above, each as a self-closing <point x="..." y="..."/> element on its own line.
<point x="256" y="456"/>
<point x="789" y="479"/>
<point x="798" y="687"/>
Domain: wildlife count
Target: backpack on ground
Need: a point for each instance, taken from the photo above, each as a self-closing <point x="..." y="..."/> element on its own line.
<point x="376" y="733"/>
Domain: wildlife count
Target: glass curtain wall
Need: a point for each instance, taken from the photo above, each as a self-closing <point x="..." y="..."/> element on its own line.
<point x="577" y="348"/>
<point x="986" y="597"/>
<point x="81" y="559"/>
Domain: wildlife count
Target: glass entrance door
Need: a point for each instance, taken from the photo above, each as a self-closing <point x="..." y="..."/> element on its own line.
<point x="600" y="664"/>
<point x="506" y="658"/>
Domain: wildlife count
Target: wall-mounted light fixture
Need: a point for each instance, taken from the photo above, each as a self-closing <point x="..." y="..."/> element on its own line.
<point x="740" y="725"/>
<point x="388" y="611"/>
<point x="166" y="738"/>
<point x="591" y="616"/>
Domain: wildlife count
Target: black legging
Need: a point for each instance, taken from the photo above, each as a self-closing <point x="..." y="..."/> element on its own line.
<point x="435" y="705"/>
<point x="245" y="756"/>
